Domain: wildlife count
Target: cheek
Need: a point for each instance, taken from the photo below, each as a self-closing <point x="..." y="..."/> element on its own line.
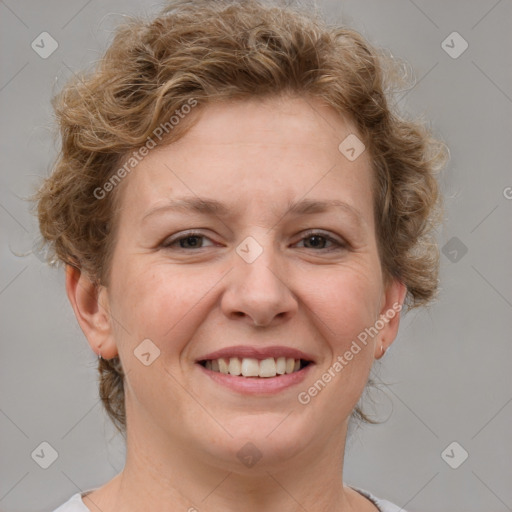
<point x="346" y="303"/>
<point x="157" y="304"/>
<point x="346" y="306"/>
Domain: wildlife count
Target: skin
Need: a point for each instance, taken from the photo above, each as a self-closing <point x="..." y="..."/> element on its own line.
<point x="184" y="430"/>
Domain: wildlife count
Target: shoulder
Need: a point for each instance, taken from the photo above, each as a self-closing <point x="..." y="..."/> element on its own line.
<point x="382" y="505"/>
<point x="74" y="504"/>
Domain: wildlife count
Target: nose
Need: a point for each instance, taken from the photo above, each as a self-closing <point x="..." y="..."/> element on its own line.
<point x="258" y="291"/>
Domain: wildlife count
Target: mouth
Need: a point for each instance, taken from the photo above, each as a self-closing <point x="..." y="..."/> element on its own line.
<point x="256" y="363"/>
<point x="253" y="367"/>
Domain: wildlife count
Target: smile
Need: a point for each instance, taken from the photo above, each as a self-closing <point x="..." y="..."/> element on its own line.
<point x="252" y="367"/>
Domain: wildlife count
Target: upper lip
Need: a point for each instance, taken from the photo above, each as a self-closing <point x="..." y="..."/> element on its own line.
<point x="246" y="351"/>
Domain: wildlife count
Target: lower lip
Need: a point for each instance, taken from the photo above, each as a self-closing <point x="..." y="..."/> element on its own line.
<point x="258" y="385"/>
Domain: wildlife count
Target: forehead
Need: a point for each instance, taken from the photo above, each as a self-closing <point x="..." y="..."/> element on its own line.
<point x="264" y="152"/>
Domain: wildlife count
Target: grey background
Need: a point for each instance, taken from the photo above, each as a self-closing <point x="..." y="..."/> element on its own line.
<point x="448" y="376"/>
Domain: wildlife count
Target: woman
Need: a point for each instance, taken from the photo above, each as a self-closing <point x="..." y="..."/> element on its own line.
<point x="242" y="218"/>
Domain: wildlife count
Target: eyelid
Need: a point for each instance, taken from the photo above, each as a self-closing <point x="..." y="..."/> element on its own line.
<point x="168" y="241"/>
<point x="320" y="232"/>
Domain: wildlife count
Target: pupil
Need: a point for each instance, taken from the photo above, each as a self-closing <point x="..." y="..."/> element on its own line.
<point x="318" y="240"/>
<point x="193" y="244"/>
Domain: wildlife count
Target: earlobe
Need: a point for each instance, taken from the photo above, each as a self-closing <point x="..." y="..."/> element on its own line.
<point x="90" y="305"/>
<point x="390" y="316"/>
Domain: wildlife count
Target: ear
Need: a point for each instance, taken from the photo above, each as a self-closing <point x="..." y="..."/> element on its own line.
<point x="393" y="300"/>
<point x="90" y="304"/>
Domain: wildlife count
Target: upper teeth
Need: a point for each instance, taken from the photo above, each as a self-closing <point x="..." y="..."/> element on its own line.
<point x="250" y="367"/>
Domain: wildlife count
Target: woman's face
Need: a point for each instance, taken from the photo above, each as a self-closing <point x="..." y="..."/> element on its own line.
<point x="230" y="244"/>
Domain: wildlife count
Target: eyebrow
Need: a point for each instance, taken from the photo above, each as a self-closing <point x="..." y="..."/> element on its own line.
<point x="208" y="206"/>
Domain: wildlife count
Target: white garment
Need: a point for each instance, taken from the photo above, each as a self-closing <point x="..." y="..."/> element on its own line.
<point x="75" y="503"/>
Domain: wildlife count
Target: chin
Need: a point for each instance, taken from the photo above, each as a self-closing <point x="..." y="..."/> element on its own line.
<point x="262" y="442"/>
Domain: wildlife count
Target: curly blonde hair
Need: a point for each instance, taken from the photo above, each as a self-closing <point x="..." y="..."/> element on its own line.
<point x="224" y="50"/>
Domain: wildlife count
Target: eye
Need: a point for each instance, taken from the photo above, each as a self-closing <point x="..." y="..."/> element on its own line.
<point x="318" y="240"/>
<point x="312" y="239"/>
<point x="190" y="240"/>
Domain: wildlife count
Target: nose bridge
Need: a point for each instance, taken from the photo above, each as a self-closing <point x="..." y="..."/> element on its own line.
<point x="258" y="287"/>
<point x="259" y="262"/>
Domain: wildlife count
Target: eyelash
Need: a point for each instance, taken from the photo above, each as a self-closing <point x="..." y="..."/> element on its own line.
<point x="195" y="234"/>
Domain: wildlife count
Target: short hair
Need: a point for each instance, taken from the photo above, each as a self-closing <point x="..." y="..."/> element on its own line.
<point x="205" y="52"/>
